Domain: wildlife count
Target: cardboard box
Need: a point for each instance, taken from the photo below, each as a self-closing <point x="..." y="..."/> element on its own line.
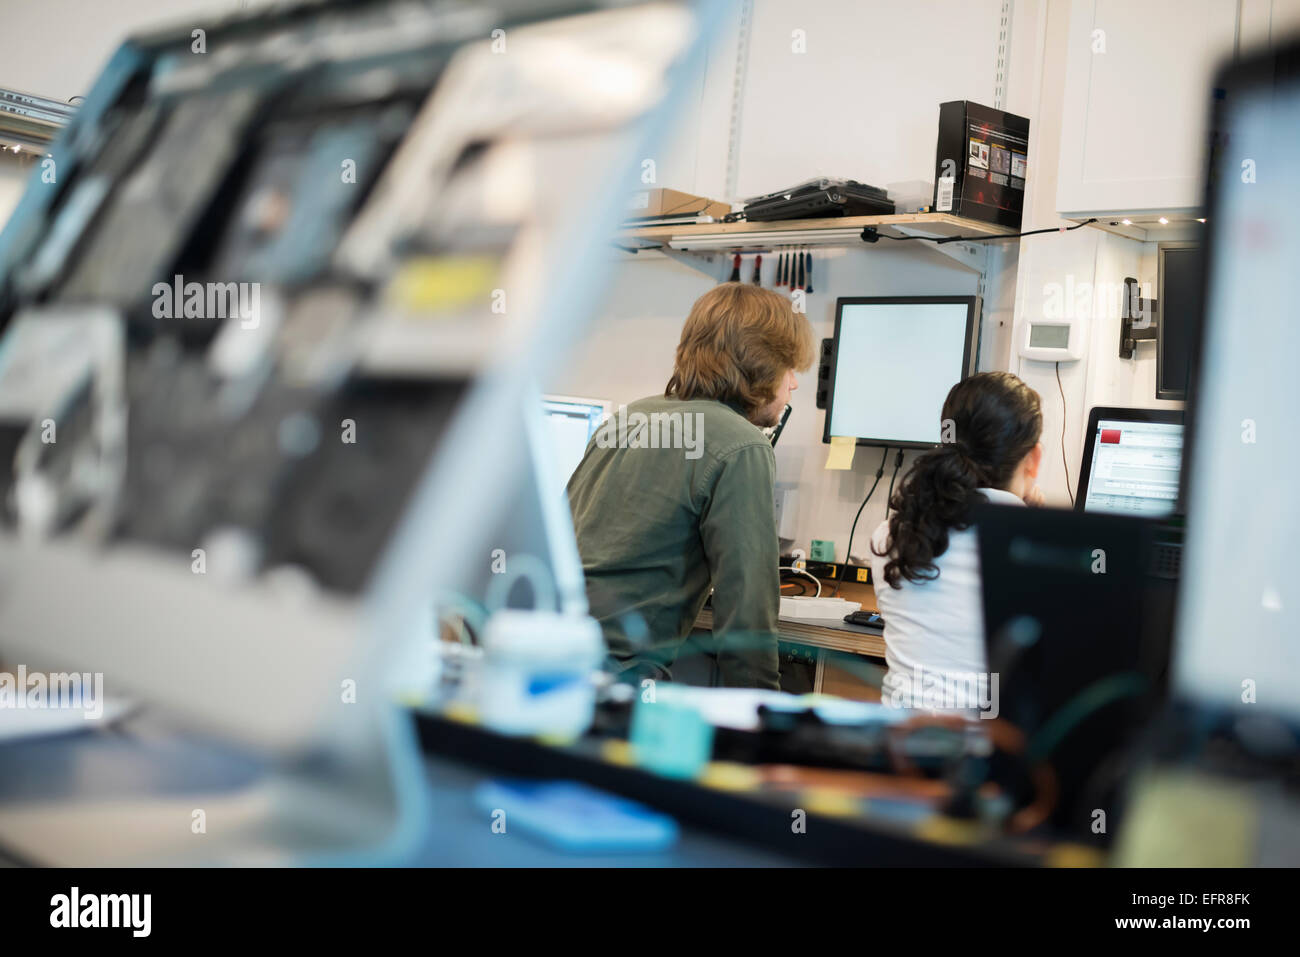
<point x="657" y="203"/>
<point x="981" y="163"/>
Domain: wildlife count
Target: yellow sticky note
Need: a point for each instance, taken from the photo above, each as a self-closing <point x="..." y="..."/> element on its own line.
<point x="841" y="453"/>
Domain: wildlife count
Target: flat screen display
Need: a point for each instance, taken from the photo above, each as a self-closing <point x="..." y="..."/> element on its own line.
<point x="895" y="361"/>
<point x="1181" y="270"/>
<point x="570" y="424"/>
<point x="1236" y="640"/>
<point x="1133" y="469"/>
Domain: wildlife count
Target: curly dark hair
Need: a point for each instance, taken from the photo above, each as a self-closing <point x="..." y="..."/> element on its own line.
<point x="991" y="422"/>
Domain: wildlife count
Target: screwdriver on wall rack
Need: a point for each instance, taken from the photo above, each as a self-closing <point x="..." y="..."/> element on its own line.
<point x="808" y="254"/>
<point x="735" y="269"/>
<point x="758" y="270"/>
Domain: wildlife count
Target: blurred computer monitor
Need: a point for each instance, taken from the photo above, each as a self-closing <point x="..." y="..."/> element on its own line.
<point x="1236" y="625"/>
<point x="570" y="423"/>
<point x="1131" y="462"/>
<point x="1077" y="631"/>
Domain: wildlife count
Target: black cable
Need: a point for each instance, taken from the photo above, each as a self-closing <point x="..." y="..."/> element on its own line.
<point x="898" y="464"/>
<point x="848" y="551"/>
<point x="1069" y="489"/>
<point x="940" y="240"/>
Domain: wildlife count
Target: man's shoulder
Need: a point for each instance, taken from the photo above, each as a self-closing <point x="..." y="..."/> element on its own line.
<point x="723" y="429"/>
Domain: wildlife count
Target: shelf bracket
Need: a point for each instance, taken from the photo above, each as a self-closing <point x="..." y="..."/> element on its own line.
<point x="972" y="256"/>
<point x="703" y="260"/>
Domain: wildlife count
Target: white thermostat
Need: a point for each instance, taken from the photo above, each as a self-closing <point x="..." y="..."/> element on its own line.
<point x="1054" y="340"/>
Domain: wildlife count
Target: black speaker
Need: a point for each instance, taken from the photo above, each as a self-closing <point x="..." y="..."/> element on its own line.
<point x="824" y="372"/>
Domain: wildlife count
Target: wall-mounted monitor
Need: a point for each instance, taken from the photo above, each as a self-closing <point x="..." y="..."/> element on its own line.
<point x="895" y="358"/>
<point x="1181" y="275"/>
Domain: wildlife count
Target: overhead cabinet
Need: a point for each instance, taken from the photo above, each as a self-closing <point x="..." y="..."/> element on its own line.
<point x="1136" y="105"/>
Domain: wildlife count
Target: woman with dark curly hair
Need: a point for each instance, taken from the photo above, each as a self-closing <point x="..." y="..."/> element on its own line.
<point x="924" y="558"/>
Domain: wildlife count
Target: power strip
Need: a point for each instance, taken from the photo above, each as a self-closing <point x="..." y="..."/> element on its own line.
<point x="830" y="571"/>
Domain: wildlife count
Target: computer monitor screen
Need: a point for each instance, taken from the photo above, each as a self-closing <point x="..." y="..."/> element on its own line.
<point x="1131" y="462"/>
<point x="1179" y="300"/>
<point x="1236" y="640"/>
<point x="895" y="360"/>
<point x="570" y="423"/>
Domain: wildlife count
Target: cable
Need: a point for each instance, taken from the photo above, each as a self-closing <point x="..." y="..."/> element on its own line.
<point x="1069" y="488"/>
<point x="940" y="240"/>
<point x="848" y="556"/>
<point x="808" y="574"/>
<point x="889" y="497"/>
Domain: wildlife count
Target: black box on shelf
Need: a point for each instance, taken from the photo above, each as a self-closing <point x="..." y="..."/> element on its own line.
<point x="980" y="163"/>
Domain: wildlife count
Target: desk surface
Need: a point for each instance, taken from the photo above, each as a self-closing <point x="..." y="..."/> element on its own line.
<point x="140" y="759"/>
<point x="830" y="633"/>
<point x="821" y="633"/>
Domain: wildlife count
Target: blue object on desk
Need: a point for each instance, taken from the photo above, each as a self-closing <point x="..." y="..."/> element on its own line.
<point x="575" y="817"/>
<point x="671" y="738"/>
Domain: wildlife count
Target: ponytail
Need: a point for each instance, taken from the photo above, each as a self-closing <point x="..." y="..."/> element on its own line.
<point x="997" y="420"/>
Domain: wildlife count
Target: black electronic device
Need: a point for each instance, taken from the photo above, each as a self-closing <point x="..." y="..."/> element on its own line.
<point x="981" y="163"/>
<point x="1078" y="632"/>
<point x="820" y="198"/>
<point x="775" y="431"/>
<point x="825" y="362"/>
<point x="1179" y="291"/>
<point x="867" y="619"/>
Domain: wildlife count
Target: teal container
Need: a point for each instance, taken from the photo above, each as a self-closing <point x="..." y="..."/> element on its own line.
<point x="822" y="551"/>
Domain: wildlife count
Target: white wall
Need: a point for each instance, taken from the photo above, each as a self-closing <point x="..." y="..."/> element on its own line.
<point x="56" y="48"/>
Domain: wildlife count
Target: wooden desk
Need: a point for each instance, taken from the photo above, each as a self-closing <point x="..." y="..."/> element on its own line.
<point x="829" y="635"/>
<point x="820" y="633"/>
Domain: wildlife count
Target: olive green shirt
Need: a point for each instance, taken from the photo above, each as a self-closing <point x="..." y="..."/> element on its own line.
<point x="673" y="497"/>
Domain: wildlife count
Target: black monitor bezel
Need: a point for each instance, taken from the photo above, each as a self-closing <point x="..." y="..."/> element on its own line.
<point x="968" y="356"/>
<point x="1162" y="392"/>
<point x="1099" y="412"/>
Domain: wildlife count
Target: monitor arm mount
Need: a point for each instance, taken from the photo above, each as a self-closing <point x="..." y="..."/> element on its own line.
<point x="1138" y="320"/>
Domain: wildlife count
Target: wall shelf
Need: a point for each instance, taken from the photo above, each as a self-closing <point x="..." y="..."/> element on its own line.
<point x="31" y="122"/>
<point x="696" y="245"/>
<point x="834" y="231"/>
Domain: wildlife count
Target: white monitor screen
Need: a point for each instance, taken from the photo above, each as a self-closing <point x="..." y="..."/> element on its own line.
<point x="1134" y="467"/>
<point x="894" y="365"/>
<point x="570" y="424"/>
<point x="1240" y="578"/>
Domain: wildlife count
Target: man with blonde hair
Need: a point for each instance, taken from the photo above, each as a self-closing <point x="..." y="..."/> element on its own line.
<point x="675" y="494"/>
